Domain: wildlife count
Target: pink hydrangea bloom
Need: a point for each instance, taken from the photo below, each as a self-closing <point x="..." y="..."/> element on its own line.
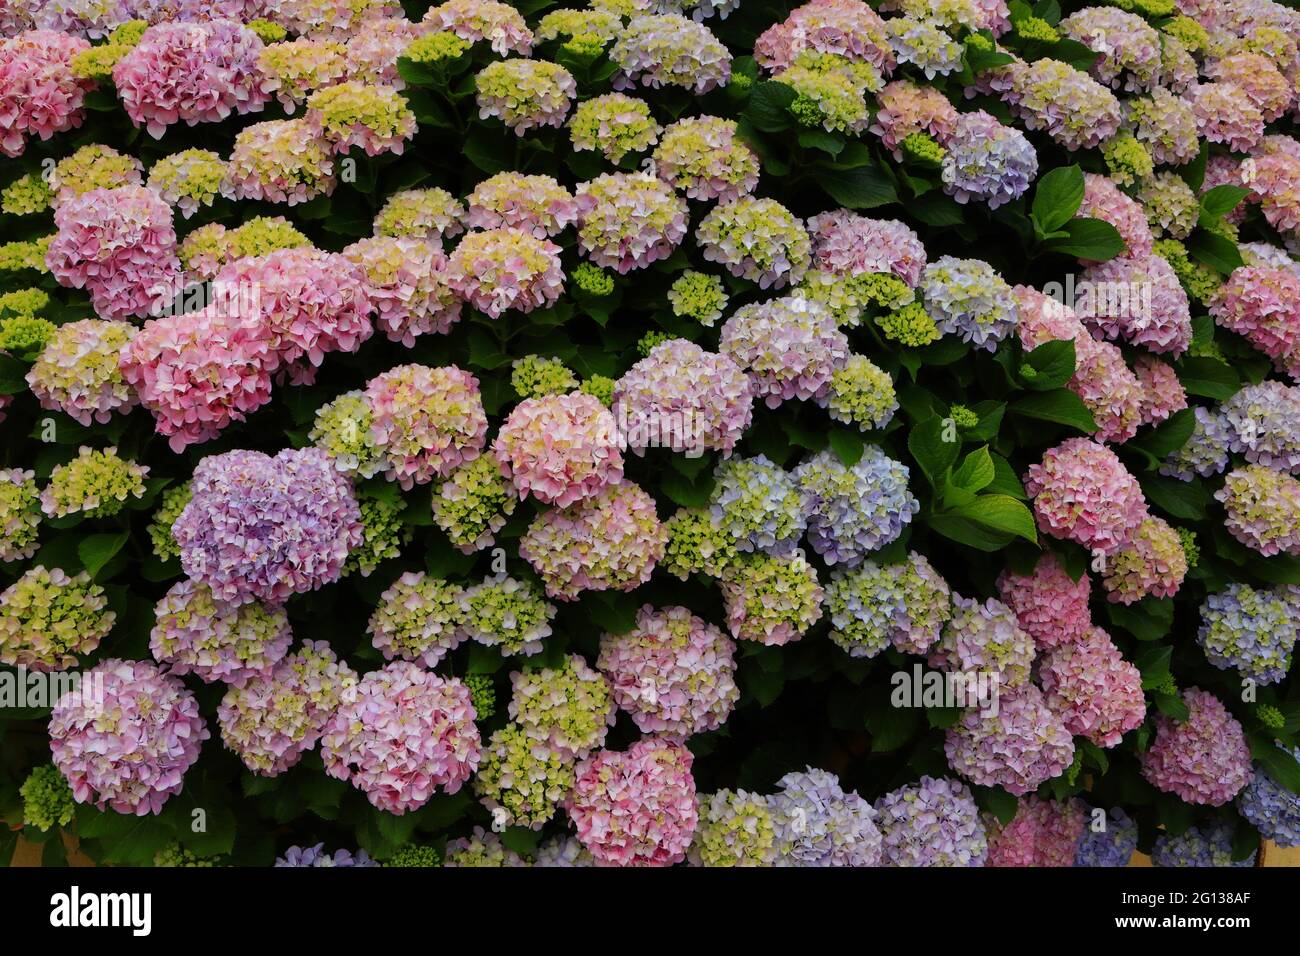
<point x="262" y="528"/>
<point x="401" y="735"/>
<point x="195" y="633"/>
<point x="280" y="161"/>
<point x="906" y="108"/>
<point x="195" y="72"/>
<point x="1163" y="393"/>
<point x="307" y="302"/>
<point x="408" y="285"/>
<point x="504" y="269"/>
<point x="847" y="28"/>
<point x="1262" y="304"/>
<point x="425" y="422"/>
<point x="1103" y="200"/>
<point x="790" y="347"/>
<point x="473" y="20"/>
<point x="1139" y="300"/>
<point x="1102" y="379"/>
<point x="1151" y="562"/>
<point x="272" y="720"/>
<point x="77" y="371"/>
<point x="1226" y="114"/>
<point x="197" y="372"/>
<point x="683" y="398"/>
<point x="120" y="246"/>
<point x="1094" y="690"/>
<point x="673" y="672"/>
<point x="1203" y="759"/>
<point x="1021" y="746"/>
<point x="1083" y="493"/>
<point x="1042" y="833"/>
<point x="846" y="243"/>
<point x="636" y="808"/>
<point x="39" y="94"/>
<point x="1048" y="603"/>
<point x="560" y="448"/>
<point x="130" y="754"/>
<point x="611" y="540"/>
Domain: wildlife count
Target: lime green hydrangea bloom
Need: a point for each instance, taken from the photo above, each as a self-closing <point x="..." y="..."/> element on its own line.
<point x="25" y="335"/>
<point x="436" y="48"/>
<point x="911" y="326"/>
<point x="26" y="195"/>
<point x="696" y="545"/>
<point x="382" y="533"/>
<point x="1190" y="548"/>
<point x="1127" y="159"/>
<point x="1200" y="281"/>
<point x="862" y="394"/>
<point x="650" y="341"/>
<point x="482" y="694"/>
<point x="128" y="34"/>
<point x="1036" y="28"/>
<point x="1270" y="717"/>
<point x="849" y="296"/>
<point x="94" y="167"/>
<point x="25" y="254"/>
<point x="170" y="505"/>
<point x="922" y="148"/>
<point x="1188" y="32"/>
<point x="97" y="62"/>
<point x="472" y="505"/>
<point x="95" y="483"/>
<point x="47" y="799"/>
<point x="521" y="782"/>
<point x="342" y="431"/>
<point x="698" y="296"/>
<point x="614" y="124"/>
<point x="415" y="855"/>
<point x="175" y="855"/>
<point x="963" y="417"/>
<point x="534" y="376"/>
<point x="20" y="514"/>
<point x="736" y="829"/>
<point x="592" y="279"/>
<point x="600" y="387"/>
<point x="267" y="31"/>
<point x="24" y="302"/>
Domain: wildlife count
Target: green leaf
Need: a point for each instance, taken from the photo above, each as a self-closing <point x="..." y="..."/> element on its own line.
<point x="926" y="441"/>
<point x="1182" y="499"/>
<point x="97" y="550"/>
<point x="1148" y="620"/>
<point x="1170" y="435"/>
<point x="822" y="140"/>
<point x="1215" y="251"/>
<point x="1209" y="378"/>
<point x="863" y="187"/>
<point x="966" y="532"/>
<point x="1221" y="200"/>
<point x="768" y="109"/>
<point x="1005" y="480"/>
<point x="997" y="802"/>
<point x="1090" y="239"/>
<point x="688" y="492"/>
<point x="1057" y="197"/>
<point x="976" y="471"/>
<point x="1281" y="766"/>
<point x="1059" y="405"/>
<point x="1049" y="366"/>
<point x="891" y="726"/>
<point x="847" y="444"/>
<point x="1154" y="666"/>
<point x="1001" y="513"/>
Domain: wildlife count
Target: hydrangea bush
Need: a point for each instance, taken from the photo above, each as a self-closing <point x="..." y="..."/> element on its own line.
<point x="562" y="434"/>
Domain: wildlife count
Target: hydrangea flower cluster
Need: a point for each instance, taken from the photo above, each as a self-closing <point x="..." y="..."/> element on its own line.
<point x="772" y="600"/>
<point x="873" y="607"/>
<point x="852" y="511"/>
<point x="20" y="514"/>
<point x="790" y="347"/>
<point x="1083" y="493"/>
<point x="636" y="807"/>
<point x="560" y="449"/>
<point x="1048" y="603"/>
<point x="1112" y="845"/>
<point x="273" y="719"/>
<point x="758" y="505"/>
<point x="419" y="618"/>
<point x="1093" y="688"/>
<point x="194" y="633"/>
<point x="1210" y="845"/>
<point x="984" y="637"/>
<point x="673" y="672"/>
<point x="570" y="708"/>
<point x="77" y="371"/>
<point x="819" y="824"/>
<point x="1042" y="833"/>
<point x="403" y="734"/>
<point x="1272" y="808"/>
<point x="933" y="822"/>
<point x="1203" y="759"/>
<point x="1017" y="748"/>
<point x="507" y="613"/>
<point x="1251" y="629"/>
<point x="263" y="528"/>
<point x="128" y="753"/>
<point x="48" y="617"/>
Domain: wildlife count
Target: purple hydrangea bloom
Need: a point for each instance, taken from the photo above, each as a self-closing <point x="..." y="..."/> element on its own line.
<point x="933" y="822"/>
<point x="262" y="528"/>
<point x="967" y="298"/>
<point x="1263" y="424"/>
<point x="1113" y="846"/>
<point x="316" y="856"/>
<point x="987" y="160"/>
<point x="1209" y="845"/>
<point x="1273" y="808"/>
<point x="854" y="511"/>
<point x="818" y="824"/>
